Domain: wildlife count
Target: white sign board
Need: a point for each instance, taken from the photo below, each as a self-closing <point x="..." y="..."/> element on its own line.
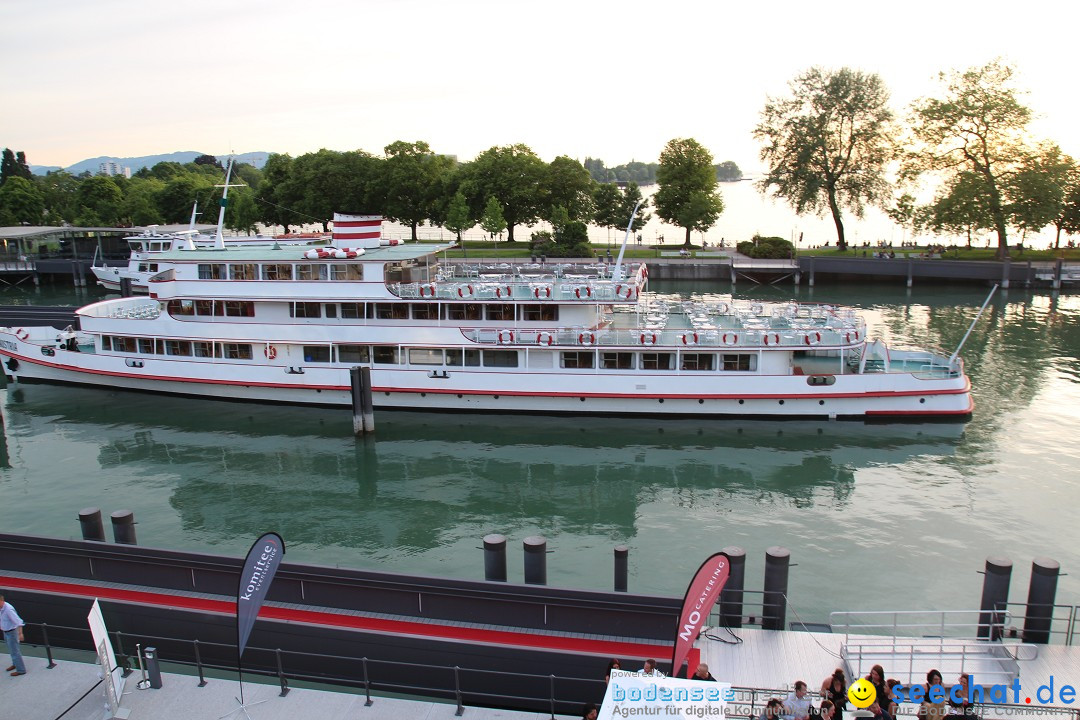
<point x="113" y="676"/>
<point x="633" y="695"/>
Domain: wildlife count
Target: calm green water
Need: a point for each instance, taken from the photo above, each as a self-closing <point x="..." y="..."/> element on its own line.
<point x="879" y="516"/>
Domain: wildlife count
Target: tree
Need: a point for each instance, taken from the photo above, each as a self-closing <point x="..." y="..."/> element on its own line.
<point x="1068" y="220"/>
<point x="99" y="200"/>
<point x="243" y="213"/>
<point x="513" y="175"/>
<point x="977" y="127"/>
<point x="208" y="160"/>
<point x="961" y="209"/>
<point x="687" y="196"/>
<point x="728" y="171"/>
<point x="827" y="145"/>
<point x="493" y="220"/>
<point x="1036" y="192"/>
<point x="21" y="202"/>
<point x="413" y="177"/>
<point x="61" y="191"/>
<point x="457" y="215"/>
<point x="280" y="192"/>
<point x="139" y="206"/>
<point x="569" y="186"/>
<point x="613" y="207"/>
<point x="175" y="198"/>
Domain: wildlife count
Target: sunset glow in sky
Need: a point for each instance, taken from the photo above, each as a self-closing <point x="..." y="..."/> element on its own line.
<point x="614" y="80"/>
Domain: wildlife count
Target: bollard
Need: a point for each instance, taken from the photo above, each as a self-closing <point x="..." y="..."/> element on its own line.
<point x="535" y="560"/>
<point x="622" y="567"/>
<point x="123" y="527"/>
<point x="125" y="287"/>
<point x="90" y="522"/>
<point x="1040" y="603"/>
<point x="995" y="595"/>
<point x="153" y="671"/>
<point x="495" y="558"/>
<point x="731" y="597"/>
<point x="774" y="613"/>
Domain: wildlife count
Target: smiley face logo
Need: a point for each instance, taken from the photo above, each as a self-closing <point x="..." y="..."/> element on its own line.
<point x="862" y="693"/>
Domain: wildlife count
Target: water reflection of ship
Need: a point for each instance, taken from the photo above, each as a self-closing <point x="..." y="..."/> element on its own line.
<point x="240" y="469"/>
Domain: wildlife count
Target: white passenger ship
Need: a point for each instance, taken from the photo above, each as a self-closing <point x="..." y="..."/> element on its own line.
<point x="286" y="324"/>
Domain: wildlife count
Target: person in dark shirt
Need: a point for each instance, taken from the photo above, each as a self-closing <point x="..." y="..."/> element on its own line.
<point x="702" y="673"/>
<point x="834" y="689"/>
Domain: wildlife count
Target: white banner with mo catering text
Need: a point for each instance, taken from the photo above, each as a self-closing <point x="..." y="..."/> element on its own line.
<point x="633" y="695"/>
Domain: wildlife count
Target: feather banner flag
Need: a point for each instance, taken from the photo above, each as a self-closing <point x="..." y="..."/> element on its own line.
<point x="259" y="569"/>
<point x="701" y="595"/>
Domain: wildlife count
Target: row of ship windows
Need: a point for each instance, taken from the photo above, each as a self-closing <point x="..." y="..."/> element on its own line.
<point x="455" y="357"/>
<point x="281" y="271"/>
<point x="503" y="312"/>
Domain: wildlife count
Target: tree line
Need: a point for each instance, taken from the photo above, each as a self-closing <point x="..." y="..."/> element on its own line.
<point x="833" y="145"/>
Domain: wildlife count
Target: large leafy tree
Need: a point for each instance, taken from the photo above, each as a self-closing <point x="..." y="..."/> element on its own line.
<point x="687" y="196"/>
<point x="21" y="201"/>
<point x="12" y="165"/>
<point x="827" y="144"/>
<point x="319" y="184"/>
<point x="570" y="186"/>
<point x="139" y="206"/>
<point x="100" y="200"/>
<point x="514" y="176"/>
<point x="61" y="191"/>
<point x="493" y="220"/>
<point x="728" y="171"/>
<point x="457" y="218"/>
<point x="614" y="205"/>
<point x="959" y="209"/>
<point x="1068" y="220"/>
<point x="1037" y="192"/>
<point x="280" y="194"/>
<point x="978" y="126"/>
<point x="413" y="179"/>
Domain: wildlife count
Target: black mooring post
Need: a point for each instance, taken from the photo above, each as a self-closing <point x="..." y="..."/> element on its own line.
<point x="535" y="560"/>
<point x="995" y="594"/>
<point x="495" y="557"/>
<point x="90" y="522"/>
<point x="622" y="568"/>
<point x="1040" y="603"/>
<point x="123" y="525"/>
<point x="774" y="613"/>
<point x="731" y="597"/>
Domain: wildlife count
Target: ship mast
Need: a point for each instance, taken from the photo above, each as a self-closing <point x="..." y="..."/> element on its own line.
<point x="616" y="275"/>
<point x="219" y="239"/>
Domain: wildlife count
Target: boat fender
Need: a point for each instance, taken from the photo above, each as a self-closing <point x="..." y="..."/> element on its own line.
<point x="730" y="339"/>
<point x="270" y="352"/>
<point x="812" y="338"/>
<point x="689" y="338"/>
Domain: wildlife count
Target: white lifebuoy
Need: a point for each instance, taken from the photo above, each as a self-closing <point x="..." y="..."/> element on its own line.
<point x="690" y="338"/>
<point x="586" y="288"/>
<point x="22" y="334"/>
<point x="722" y="308"/>
<point x="586" y="338"/>
<point x="499" y="289"/>
<point x="545" y="290"/>
<point x="270" y="352"/>
<point x="775" y="338"/>
<point x="812" y="338"/>
<point x="506" y="336"/>
<point x="757" y="308"/>
<point x="311" y="254"/>
<point x="430" y="289"/>
<point x="852" y="336"/>
<point x="461" y="291"/>
<point x="544" y="338"/>
<point x="730" y="339"/>
<point x="648" y="338"/>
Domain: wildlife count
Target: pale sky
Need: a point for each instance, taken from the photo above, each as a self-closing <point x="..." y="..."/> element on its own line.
<point x="614" y="80"/>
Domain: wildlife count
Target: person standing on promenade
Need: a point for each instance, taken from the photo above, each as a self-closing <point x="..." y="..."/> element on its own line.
<point x="12" y="625"/>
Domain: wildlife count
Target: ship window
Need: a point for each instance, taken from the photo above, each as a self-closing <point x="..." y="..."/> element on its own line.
<point x="385" y="354"/>
<point x="239" y="308"/>
<point x="500" y="358"/>
<point x="425" y="311"/>
<point x="123" y="344"/>
<point x="425" y="356"/>
<point x="317" y="353"/>
<point x="331" y="310"/>
<point x="548" y="313"/>
<point x="352" y="311"/>
<point x="277" y="271"/>
<point x="499" y="311"/>
<point x="580" y="360"/>
<point x="212" y="271"/>
<point x="305" y="310"/>
<point x="391" y="311"/>
<point x="234" y="351"/>
<point x="353" y="354"/>
<point x="698" y="361"/>
<point x="617" y="361"/>
<point x="347" y="271"/>
<point x="178" y="347"/>
<point x="146" y="346"/>
<point x="471" y="358"/>
<point x="657" y="361"/>
<point x="311" y="272"/>
<point x="204" y="307"/>
<point x="246" y="271"/>
<point x="464" y="311"/>
<point x="739" y="362"/>
<point x="203" y="349"/>
<point x="181" y="307"/>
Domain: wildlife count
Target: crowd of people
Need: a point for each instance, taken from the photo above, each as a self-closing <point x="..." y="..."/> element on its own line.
<point x="834" y="700"/>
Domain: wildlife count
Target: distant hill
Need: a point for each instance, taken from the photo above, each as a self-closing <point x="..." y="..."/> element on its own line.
<point x="258" y="159"/>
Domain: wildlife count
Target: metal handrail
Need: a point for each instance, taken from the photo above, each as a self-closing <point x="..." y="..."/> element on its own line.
<point x="938" y="625"/>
